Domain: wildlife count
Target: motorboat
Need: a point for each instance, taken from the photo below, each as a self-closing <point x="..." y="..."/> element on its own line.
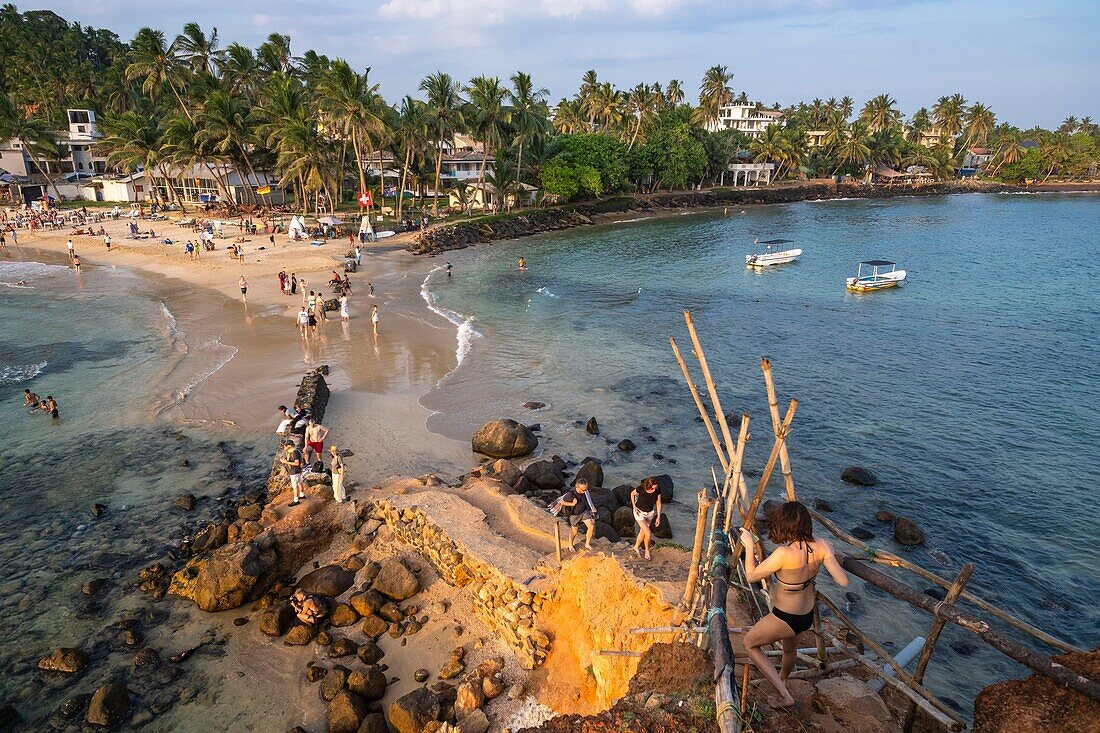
<point x="875" y="275"/>
<point x="770" y="253"/>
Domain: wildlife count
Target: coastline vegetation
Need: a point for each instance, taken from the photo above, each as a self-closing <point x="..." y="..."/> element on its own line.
<point x="316" y="124"/>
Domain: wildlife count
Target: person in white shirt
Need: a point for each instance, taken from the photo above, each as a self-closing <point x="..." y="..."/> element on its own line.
<point x="72" y="250"/>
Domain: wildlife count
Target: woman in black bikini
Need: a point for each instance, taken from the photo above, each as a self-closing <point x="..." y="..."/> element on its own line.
<point x="795" y="562"/>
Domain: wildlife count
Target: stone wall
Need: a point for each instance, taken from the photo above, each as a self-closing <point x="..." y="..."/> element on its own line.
<point x="491" y="229"/>
<point x="500" y="600"/>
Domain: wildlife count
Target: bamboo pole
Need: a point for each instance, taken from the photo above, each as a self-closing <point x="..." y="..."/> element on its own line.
<point x="947" y="721"/>
<point x="773" y="408"/>
<point x="884" y="655"/>
<point x="720" y="416"/>
<point x="697" y="550"/>
<point x="726" y="693"/>
<point x="781" y="437"/>
<point x="735" y="472"/>
<point x="1009" y="647"/>
<point x="933" y="636"/>
<point x="699" y="404"/>
<point x="557" y="539"/>
<point x="887" y="558"/>
<point x="819" y="633"/>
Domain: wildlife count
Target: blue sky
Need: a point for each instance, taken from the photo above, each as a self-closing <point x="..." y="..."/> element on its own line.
<point x="1033" y="62"/>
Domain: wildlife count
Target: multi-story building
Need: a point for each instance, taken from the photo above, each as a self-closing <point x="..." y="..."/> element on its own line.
<point x="76" y="160"/>
<point x="749" y="119"/>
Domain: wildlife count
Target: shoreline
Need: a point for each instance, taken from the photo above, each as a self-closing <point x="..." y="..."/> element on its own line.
<point x="516" y="225"/>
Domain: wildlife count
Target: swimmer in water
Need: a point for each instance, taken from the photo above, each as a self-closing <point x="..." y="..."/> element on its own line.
<point x="522" y="264"/>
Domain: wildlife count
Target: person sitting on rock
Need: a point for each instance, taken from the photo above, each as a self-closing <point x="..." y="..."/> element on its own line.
<point x="581" y="509"/>
<point x="799" y="556"/>
<point x="308" y="608"/>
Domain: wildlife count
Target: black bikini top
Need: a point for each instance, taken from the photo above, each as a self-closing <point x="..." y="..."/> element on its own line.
<point x="804" y="584"/>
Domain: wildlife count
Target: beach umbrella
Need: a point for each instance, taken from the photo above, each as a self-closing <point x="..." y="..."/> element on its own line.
<point x="331" y="220"/>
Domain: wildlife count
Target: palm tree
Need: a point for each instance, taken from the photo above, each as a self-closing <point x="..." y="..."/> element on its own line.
<point x="34" y="134"/>
<point x="349" y="99"/>
<point x="674" y="93"/>
<point x="185" y="147"/>
<point x="503" y="183"/>
<point x="836" y="129"/>
<point x="1009" y="149"/>
<point x="948" y="113"/>
<point x="488" y="116"/>
<point x="589" y="83"/>
<point x="918" y="126"/>
<point x="855" y="148"/>
<point x="152" y="61"/>
<point x="411" y="137"/>
<point x="1069" y="125"/>
<point x="528" y="115"/>
<point x="239" y="69"/>
<point x="880" y="113"/>
<point x="224" y="127"/>
<point x="569" y="117"/>
<point x="714" y="92"/>
<point x="134" y="142"/>
<point x="847" y="106"/>
<point x="305" y="154"/>
<point x="444" y="117"/>
<point x="1086" y="126"/>
<point x="642" y="104"/>
<point x="274" y="55"/>
<point x="1054" y="151"/>
<point x="772" y="146"/>
<point x="197" y="50"/>
<point x="980" y="121"/>
<point x="936" y="159"/>
<point x="604" y="106"/>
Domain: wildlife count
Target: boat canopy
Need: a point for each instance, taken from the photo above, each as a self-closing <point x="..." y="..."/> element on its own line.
<point x="775" y="241"/>
<point x="877" y="263"/>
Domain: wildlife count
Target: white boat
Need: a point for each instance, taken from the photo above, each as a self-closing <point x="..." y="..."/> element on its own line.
<point x="875" y="275"/>
<point x="769" y="254"/>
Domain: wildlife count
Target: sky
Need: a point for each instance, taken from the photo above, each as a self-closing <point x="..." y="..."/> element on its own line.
<point x="1034" y="62"/>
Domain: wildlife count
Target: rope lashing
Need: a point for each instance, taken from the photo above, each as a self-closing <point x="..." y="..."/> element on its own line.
<point x="715" y="611"/>
<point x="719" y="560"/>
<point x="870" y="552"/>
<point x="725" y="707"/>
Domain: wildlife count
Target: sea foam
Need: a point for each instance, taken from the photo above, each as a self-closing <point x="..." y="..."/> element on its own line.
<point x="465" y="324"/>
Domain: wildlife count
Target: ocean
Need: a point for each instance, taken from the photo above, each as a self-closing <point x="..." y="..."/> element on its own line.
<point x="970" y="392"/>
<point x="107" y="346"/>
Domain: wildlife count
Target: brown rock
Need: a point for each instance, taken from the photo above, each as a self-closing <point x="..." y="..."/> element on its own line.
<point x="300" y="635"/>
<point x="330" y="580"/>
<point x="852" y="704"/>
<point x="369" y="684"/>
<point x="455" y="665"/>
<point x="335" y="680"/>
<point x="369" y="652"/>
<point x="504" y="439"/>
<point x="907" y="533"/>
<point x="109" y="705"/>
<point x="1038" y="704"/>
<point x="410" y="713"/>
<point x="492" y="686"/>
<point x="65" y="660"/>
<point x="367" y="603"/>
<point x="225" y="578"/>
<point x="475" y="722"/>
<point x="373" y="626"/>
<point x="343" y="648"/>
<point x="392" y="613"/>
<point x="395" y="581"/>
<point x="468" y="697"/>
<point x="374" y="723"/>
<point x="343" y="615"/>
<point x="346" y="712"/>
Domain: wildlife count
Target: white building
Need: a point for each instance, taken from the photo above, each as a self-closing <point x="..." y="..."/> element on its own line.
<point x="76" y="161"/>
<point x="750" y="174"/>
<point x="745" y="118"/>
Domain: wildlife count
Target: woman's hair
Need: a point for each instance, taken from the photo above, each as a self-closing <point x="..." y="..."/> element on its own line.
<point x="649" y="484"/>
<point x="790" y="523"/>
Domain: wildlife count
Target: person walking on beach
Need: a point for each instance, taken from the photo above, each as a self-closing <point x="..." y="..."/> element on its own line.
<point x="794" y="596"/>
<point x="581" y="511"/>
<point x="646" y="503"/>
<point x="374" y="318"/>
<point x="72" y="250"/>
<point x="303" y="321"/>
<point x="319" y="308"/>
<point x="107" y="241"/>
<point x="243" y="284"/>
<point x="311" y="320"/>
<point x="338" y="471"/>
<point x="292" y="462"/>
<point x="344" y="315"/>
<point x="76" y="262"/>
<point x="358" y="256"/>
<point x="315" y="441"/>
<point x="190" y="249"/>
<point x="282" y="282"/>
<point x="370" y="289"/>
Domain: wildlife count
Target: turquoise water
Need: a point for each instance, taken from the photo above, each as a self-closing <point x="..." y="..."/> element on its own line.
<point x="971" y="392"/>
<point x="105" y="344"/>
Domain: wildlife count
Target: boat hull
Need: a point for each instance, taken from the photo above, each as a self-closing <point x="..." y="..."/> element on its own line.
<point x="871" y="284"/>
<point x="771" y="259"/>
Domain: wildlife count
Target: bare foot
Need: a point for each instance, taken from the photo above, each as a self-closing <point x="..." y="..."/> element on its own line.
<point x="781" y="702"/>
<point x="637" y="551"/>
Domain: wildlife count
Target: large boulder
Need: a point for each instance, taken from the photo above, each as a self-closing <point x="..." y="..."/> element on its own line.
<point x="545" y="475"/>
<point x="225" y="578"/>
<point x="369" y="683"/>
<point x="374" y="723"/>
<point x="592" y="427"/>
<point x="664" y="485"/>
<point x="907" y="533"/>
<point x="330" y="580"/>
<point x="624" y="523"/>
<point x="65" y="660"/>
<point x="109" y="705"/>
<point x="663" y="531"/>
<point x="275" y="620"/>
<point x="591" y="471"/>
<point x="468" y="697"/>
<point x="852" y="704"/>
<point x="367" y="602"/>
<point x="506" y="471"/>
<point x="622" y="493"/>
<point x="395" y="581"/>
<point x="858" y="475"/>
<point x="412" y="711"/>
<point x="211" y="538"/>
<point x="346" y="712"/>
<point x="607" y="532"/>
<point x="504" y="439"/>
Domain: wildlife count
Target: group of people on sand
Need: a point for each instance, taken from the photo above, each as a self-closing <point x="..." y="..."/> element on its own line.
<point x="37" y="404"/>
<point x="304" y="452"/>
<point x="579" y="508"/>
<point x="314" y="310"/>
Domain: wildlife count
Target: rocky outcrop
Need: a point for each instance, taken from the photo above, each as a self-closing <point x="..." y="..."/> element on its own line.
<point x="535" y="221"/>
<point x="859" y="476"/>
<point x="1040" y="705"/>
<point x="226" y="578"/>
<point x="69" y="661"/>
<point x="329" y="580"/>
<point x="313" y="395"/>
<point x="504" y="439"/>
<point x="850" y="702"/>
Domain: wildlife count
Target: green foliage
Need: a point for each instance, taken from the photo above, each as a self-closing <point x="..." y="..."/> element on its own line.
<point x="602" y="152"/>
<point x="1029" y="166"/>
<point x="679" y="158"/>
<point x="560" y="178"/>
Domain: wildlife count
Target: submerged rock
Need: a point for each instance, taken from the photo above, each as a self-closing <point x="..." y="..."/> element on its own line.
<point x="185" y="502"/>
<point x="858" y="475"/>
<point x="64" y="659"/>
<point x="109" y="705"/>
<point x="626" y="445"/>
<point x="907" y="533"/>
<point x="504" y="439"/>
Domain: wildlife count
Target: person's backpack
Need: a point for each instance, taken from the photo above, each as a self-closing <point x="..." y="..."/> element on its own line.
<point x="317" y="467"/>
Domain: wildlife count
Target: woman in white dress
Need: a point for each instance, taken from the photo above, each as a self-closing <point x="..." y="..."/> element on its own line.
<point x="337" y="475"/>
<point x="344" y="307"/>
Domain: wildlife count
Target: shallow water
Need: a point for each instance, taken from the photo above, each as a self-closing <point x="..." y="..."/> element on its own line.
<point x="970" y="392"/>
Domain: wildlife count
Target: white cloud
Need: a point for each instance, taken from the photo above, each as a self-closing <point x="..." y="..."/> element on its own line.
<point x="496" y="12"/>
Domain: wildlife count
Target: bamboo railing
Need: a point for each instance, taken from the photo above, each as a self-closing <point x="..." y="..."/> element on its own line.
<point x="713" y="560"/>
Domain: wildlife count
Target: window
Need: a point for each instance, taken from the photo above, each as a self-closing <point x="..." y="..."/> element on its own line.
<point x="138" y="188"/>
<point x="79" y="116"/>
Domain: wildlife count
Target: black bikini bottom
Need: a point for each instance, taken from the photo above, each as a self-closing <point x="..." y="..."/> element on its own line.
<point x="798" y="622"/>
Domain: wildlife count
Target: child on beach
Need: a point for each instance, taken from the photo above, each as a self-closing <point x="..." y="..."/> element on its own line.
<point x="344" y="315"/>
<point x="374" y="318"/>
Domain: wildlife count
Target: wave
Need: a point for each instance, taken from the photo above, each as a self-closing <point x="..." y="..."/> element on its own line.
<point x="16" y="373"/>
<point x="546" y="291"/>
<point x="15" y="274"/>
<point x="631" y="221"/>
<point x="169" y="320"/>
<point x="183" y="393"/>
<point x="465" y="324"/>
